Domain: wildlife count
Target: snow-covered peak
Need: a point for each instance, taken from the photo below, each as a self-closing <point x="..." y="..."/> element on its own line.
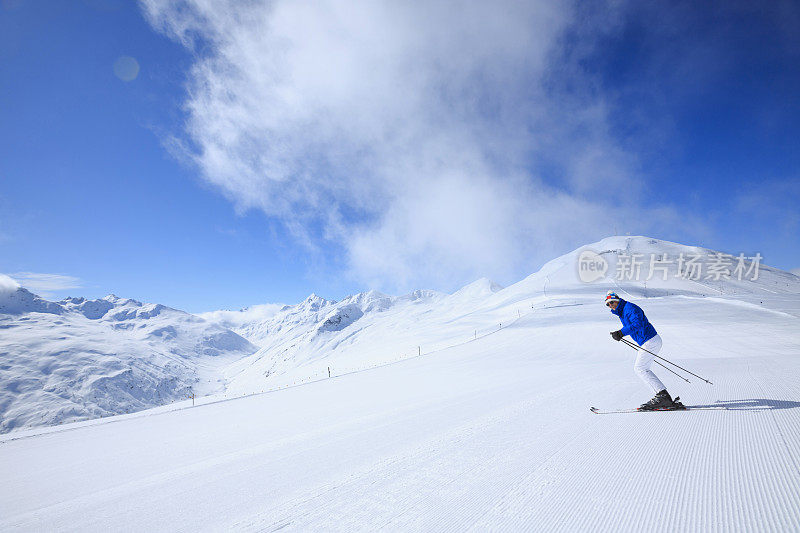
<point x="368" y="301"/>
<point x="118" y="302"/>
<point x="352" y="308"/>
<point x="115" y="308"/>
<point x="111" y="307"/>
<point x="422" y="294"/>
<point x="19" y="301"/>
<point x="313" y="303"/>
<point x="91" y="309"/>
<point x="141" y="311"/>
<point x="368" y="296"/>
<point x="641" y="266"/>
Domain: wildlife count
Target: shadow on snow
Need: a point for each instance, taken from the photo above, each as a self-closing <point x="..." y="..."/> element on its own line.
<point x="754" y="404"/>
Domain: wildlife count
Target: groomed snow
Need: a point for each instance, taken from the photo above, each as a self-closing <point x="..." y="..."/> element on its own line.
<point x="491" y="433"/>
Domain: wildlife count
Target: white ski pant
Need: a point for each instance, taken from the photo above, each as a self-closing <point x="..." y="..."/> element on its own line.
<point x="643" y="362"/>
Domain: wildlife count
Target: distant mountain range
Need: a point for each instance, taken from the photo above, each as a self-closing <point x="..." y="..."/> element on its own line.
<point x="76" y="359"/>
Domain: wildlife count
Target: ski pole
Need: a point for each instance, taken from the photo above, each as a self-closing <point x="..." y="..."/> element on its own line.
<point x="656" y="362"/>
<point x="668" y="368"/>
<point x="661" y="365"/>
<point x="635" y="347"/>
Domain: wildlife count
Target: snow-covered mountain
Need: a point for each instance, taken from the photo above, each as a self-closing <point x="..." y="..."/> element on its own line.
<point x="80" y="358"/>
<point x="77" y="358"/>
<point x="489" y="429"/>
<point x="302" y="341"/>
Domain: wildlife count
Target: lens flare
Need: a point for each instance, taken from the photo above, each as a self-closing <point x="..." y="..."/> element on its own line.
<point x="126" y="68"/>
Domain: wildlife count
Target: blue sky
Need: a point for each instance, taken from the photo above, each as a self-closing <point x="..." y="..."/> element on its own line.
<point x="270" y="151"/>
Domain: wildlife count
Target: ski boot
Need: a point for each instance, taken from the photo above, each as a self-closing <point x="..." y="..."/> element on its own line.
<point x="677" y="405"/>
<point x="662" y="401"/>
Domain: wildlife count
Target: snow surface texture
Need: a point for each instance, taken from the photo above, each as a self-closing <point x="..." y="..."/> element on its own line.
<point x="78" y="359"/>
<point x="488" y="430"/>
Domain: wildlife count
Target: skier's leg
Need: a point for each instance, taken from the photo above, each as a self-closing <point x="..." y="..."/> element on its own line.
<point x="643" y="362"/>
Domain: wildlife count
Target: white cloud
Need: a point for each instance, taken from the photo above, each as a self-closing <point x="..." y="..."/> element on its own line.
<point x="7" y="284"/>
<point x="410" y="134"/>
<point x="46" y="284"/>
<point x="234" y="319"/>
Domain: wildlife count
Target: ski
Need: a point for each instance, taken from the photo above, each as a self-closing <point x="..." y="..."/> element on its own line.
<point x="597" y="411"/>
<point x="677" y="407"/>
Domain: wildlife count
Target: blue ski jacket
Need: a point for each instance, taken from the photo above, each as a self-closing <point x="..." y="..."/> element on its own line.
<point x="634" y="323"/>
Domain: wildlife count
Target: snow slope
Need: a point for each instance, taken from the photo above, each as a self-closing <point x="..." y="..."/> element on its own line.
<point x="491" y="433"/>
<point x="302" y="342"/>
<point x="77" y="358"/>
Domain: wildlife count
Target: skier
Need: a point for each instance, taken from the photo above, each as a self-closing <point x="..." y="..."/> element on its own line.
<point x="635" y="324"/>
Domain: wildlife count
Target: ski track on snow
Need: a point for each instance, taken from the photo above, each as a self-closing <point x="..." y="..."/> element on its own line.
<point x="476" y="459"/>
<point x="678" y="486"/>
<point x="488" y="433"/>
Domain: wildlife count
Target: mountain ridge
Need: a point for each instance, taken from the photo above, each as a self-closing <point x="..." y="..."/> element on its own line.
<point x="122" y="355"/>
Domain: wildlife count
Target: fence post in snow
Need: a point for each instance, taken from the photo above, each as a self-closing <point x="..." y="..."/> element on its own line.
<point x="419" y="350"/>
<point x="329" y="371"/>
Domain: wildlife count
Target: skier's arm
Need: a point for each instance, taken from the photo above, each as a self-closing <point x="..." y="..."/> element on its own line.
<point x="635" y="323"/>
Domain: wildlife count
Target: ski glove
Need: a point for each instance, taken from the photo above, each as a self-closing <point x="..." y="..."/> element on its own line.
<point x="617" y="335"/>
